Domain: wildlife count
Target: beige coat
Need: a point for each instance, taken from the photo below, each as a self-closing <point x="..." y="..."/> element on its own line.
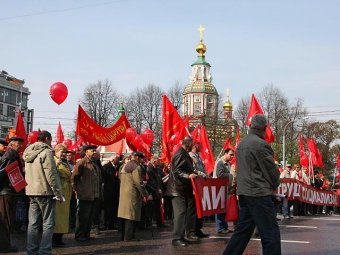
<point x="40" y="171"/>
<point x="132" y="191"/>
<point x="63" y="209"/>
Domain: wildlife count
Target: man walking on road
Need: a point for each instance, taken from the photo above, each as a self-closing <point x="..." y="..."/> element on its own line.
<point x="43" y="189"/>
<point x="257" y="178"/>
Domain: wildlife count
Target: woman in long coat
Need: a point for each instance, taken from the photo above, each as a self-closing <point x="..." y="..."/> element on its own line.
<point x="132" y="191"/>
<point x="62" y="208"/>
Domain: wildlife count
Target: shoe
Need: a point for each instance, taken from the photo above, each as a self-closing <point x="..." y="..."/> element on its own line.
<point x="290" y="217"/>
<point x="224" y="231"/>
<point x="10" y="249"/>
<point x="278" y="219"/>
<point x="192" y="238"/>
<point x="97" y="231"/>
<point x="179" y="243"/>
<point x="200" y="234"/>
<point x="60" y="244"/>
<point x="82" y="239"/>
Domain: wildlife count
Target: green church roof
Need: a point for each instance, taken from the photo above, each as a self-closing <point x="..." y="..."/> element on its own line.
<point x="201" y="61"/>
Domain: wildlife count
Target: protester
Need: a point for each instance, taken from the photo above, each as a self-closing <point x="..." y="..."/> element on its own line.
<point x="111" y="186"/>
<point x="153" y="186"/>
<point x="3" y="147"/>
<point x="8" y="196"/>
<point x="62" y="214"/>
<point x="86" y="182"/>
<point x="132" y="192"/>
<point x="286" y="204"/>
<point x="222" y="170"/>
<point x="200" y="170"/>
<point x="257" y="178"/>
<point x="98" y="202"/>
<point x="180" y="188"/>
<point x="73" y="202"/>
<point x="43" y="188"/>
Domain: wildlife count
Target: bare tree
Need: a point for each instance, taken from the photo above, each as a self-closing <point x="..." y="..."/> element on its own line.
<point x="100" y="100"/>
<point x="241" y="113"/>
<point x="175" y="96"/>
<point x="144" y="110"/>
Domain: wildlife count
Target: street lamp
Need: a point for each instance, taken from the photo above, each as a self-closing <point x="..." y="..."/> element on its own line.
<point x="284" y="142"/>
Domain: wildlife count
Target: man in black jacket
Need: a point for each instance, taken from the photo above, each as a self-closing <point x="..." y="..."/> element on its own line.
<point x="111" y="186"/>
<point x="8" y="195"/>
<point x="180" y="188"/>
<point x="257" y="178"/>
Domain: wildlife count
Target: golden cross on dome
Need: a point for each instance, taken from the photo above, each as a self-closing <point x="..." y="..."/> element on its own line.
<point x="201" y="31"/>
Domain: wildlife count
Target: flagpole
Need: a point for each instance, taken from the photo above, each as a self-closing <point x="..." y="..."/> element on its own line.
<point x="335" y="171"/>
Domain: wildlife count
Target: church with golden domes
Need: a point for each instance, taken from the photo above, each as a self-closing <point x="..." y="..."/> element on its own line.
<point x="201" y="101"/>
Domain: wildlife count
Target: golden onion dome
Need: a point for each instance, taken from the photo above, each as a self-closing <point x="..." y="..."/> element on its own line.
<point x="228" y="105"/>
<point x="201" y="48"/>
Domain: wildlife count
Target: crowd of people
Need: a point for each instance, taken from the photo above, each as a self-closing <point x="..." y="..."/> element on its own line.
<point x="68" y="195"/>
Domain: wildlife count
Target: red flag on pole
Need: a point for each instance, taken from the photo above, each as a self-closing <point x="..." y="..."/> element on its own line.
<point x="303" y="157"/>
<point x="314" y="152"/>
<point x="20" y="130"/>
<point x="172" y="128"/>
<point x="227" y="144"/>
<point x="255" y="108"/>
<point x="206" y="152"/>
<point x="60" y="135"/>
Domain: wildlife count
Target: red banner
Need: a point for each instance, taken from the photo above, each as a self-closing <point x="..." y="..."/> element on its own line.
<point x="15" y="177"/>
<point x="296" y="190"/>
<point x="91" y="132"/>
<point x="210" y="196"/>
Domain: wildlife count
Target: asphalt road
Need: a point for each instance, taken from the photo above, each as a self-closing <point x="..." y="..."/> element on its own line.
<point x="301" y="235"/>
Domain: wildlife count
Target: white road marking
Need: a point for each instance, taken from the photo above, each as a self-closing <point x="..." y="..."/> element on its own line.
<point x="325" y="218"/>
<point x="297" y="226"/>
<point x="257" y="239"/>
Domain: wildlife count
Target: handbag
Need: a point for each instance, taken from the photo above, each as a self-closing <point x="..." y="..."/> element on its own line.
<point x="232" y="209"/>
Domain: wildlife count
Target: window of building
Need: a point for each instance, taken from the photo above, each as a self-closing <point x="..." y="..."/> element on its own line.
<point x="11" y="96"/>
<point x="2" y="93"/>
<point x="1" y="109"/>
<point x="197" y="98"/>
<point x="197" y="108"/>
<point x="10" y="111"/>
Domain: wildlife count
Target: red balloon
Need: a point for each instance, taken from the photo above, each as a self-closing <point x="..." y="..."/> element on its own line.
<point x="130" y="134"/>
<point x="138" y="142"/>
<point x="58" y="92"/>
<point x="33" y="137"/>
<point x="67" y="143"/>
<point x="148" y="136"/>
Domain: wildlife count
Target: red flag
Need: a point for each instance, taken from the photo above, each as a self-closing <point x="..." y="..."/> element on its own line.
<point x="255" y="108"/>
<point x="195" y="134"/>
<point x="206" y="152"/>
<point x="338" y="161"/>
<point x="20" y="130"/>
<point x="172" y="128"/>
<point x="303" y="157"/>
<point x="314" y="153"/>
<point x="60" y="135"/>
<point x="227" y="144"/>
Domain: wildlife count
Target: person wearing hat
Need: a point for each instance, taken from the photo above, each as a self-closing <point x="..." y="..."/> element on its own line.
<point x="257" y="178"/>
<point x="132" y="192"/>
<point x="8" y="196"/>
<point x="43" y="189"/>
<point x="3" y="147"/>
<point x="86" y="182"/>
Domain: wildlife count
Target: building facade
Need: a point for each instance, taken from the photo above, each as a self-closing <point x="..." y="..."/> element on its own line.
<point x="201" y="101"/>
<point x="13" y="97"/>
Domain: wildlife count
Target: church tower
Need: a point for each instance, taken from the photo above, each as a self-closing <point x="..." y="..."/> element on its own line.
<point x="228" y="108"/>
<point x="200" y="97"/>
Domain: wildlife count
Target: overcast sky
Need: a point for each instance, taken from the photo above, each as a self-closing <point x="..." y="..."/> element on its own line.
<point x="293" y="44"/>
